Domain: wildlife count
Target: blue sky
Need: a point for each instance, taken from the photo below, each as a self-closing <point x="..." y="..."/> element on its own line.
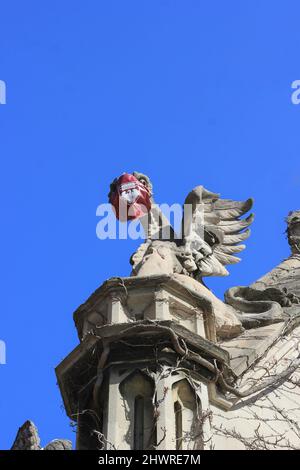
<point x="188" y="92"/>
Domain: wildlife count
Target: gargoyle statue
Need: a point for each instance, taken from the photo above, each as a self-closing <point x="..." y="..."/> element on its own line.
<point x="210" y="238"/>
<point x="210" y="235"/>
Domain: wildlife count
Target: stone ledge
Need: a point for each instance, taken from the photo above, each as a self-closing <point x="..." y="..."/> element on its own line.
<point x="251" y="345"/>
<point x="79" y="368"/>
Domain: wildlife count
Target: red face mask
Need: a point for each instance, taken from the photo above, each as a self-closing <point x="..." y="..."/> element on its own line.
<point x="130" y="199"/>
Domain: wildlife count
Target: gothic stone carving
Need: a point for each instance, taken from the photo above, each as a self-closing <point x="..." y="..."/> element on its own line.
<point x="28" y="439"/>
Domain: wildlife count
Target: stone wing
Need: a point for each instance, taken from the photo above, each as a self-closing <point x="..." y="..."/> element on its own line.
<point x="220" y="224"/>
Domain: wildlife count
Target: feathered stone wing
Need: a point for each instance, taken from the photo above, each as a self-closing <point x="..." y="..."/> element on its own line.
<point x="219" y="224"/>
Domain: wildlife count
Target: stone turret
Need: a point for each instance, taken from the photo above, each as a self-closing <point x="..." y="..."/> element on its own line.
<point x="144" y="370"/>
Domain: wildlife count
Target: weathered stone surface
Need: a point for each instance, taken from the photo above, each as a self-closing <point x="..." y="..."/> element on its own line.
<point x="59" y="444"/>
<point x="226" y="321"/>
<point x="250" y="346"/>
<point x="255" y="308"/>
<point x="284" y="276"/>
<point x="28" y="439"/>
<point x="134" y="297"/>
<point x="161" y="297"/>
<point x="269" y="419"/>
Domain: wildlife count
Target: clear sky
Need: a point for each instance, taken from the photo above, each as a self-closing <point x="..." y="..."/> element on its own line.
<point x="189" y="92"/>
